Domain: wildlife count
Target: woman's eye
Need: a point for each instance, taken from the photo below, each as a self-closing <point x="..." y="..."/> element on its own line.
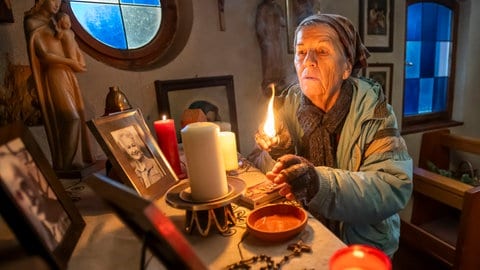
<point x="301" y="52"/>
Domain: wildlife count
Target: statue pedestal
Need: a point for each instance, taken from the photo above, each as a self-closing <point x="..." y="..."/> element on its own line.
<point x="82" y="172"/>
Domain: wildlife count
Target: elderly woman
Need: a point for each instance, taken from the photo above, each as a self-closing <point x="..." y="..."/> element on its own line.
<point x="338" y="146"/>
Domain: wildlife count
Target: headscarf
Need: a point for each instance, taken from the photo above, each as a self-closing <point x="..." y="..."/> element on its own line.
<point x="354" y="49"/>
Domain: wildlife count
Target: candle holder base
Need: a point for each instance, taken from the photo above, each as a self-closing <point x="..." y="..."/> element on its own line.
<point x="205" y="215"/>
<point x="221" y="218"/>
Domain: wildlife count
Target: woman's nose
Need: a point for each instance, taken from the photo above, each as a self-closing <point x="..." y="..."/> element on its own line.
<point x="311" y="58"/>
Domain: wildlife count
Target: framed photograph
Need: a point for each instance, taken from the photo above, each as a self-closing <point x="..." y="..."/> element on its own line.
<point x="382" y="73"/>
<point x="149" y="224"/>
<point x="33" y="202"/>
<point x="376" y="24"/>
<point x="215" y="95"/>
<point x="133" y="152"/>
<point x="295" y="12"/>
<point x="6" y="12"/>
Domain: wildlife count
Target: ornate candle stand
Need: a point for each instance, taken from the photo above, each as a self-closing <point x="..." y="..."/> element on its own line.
<point x="204" y="215"/>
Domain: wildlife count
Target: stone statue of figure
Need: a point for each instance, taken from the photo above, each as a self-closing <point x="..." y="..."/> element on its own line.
<point x="271" y="34"/>
<point x="61" y="102"/>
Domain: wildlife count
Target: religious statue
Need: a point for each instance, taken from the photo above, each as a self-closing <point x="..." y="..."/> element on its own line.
<point x="271" y="34"/>
<point x="54" y="59"/>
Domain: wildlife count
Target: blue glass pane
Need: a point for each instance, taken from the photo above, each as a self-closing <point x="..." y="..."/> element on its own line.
<point x="427" y="67"/>
<point x="410" y="101"/>
<point x="155" y="3"/>
<point x="444" y="23"/>
<point x="442" y="54"/>
<point x="97" y="1"/>
<point x="425" y="98"/>
<point x="101" y="21"/>
<point x="429" y="22"/>
<point x="141" y="24"/>
<point x="414" y="22"/>
<point x="413" y="57"/>
<point x="440" y="94"/>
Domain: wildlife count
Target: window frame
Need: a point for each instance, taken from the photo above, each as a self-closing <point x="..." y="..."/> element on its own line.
<point x="434" y="120"/>
<point x="165" y="46"/>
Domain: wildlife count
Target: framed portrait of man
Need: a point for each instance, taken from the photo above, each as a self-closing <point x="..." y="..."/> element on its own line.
<point x="33" y="201"/>
<point x="134" y="153"/>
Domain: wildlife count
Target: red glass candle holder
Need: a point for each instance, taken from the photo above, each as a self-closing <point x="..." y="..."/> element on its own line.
<point x="359" y="257"/>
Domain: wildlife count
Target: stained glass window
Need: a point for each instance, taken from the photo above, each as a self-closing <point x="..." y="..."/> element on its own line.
<point x="428" y="53"/>
<point x="119" y="24"/>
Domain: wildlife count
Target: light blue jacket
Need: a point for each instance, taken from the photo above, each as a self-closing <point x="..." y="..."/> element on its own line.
<point x="373" y="180"/>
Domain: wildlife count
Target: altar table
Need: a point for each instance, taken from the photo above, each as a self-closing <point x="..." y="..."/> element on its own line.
<point x="106" y="243"/>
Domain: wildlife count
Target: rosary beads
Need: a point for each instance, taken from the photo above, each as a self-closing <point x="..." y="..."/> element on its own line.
<point x="296" y="248"/>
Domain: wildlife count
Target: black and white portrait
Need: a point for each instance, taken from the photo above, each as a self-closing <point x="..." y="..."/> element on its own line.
<point x="32" y="193"/>
<point x="141" y="160"/>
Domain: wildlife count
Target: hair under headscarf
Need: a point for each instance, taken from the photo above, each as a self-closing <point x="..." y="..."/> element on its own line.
<point x="354" y="49"/>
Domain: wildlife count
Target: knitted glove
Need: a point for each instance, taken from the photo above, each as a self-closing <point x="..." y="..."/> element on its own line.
<point x="300" y="174"/>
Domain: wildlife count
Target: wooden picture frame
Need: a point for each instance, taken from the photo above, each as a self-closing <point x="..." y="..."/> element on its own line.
<point x="6" y="12"/>
<point x="383" y="74"/>
<point x="133" y="152"/>
<point x="33" y="202"/>
<point x="149" y="224"/>
<point x="174" y="96"/>
<point x="295" y="12"/>
<point x="376" y="24"/>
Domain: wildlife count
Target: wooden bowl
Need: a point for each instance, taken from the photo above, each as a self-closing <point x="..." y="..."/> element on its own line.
<point x="276" y="222"/>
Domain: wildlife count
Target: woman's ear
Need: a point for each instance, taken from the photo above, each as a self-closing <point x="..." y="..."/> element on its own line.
<point x="347" y="71"/>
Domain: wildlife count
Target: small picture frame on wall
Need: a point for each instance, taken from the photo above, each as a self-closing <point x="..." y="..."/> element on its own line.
<point x="33" y="201"/>
<point x="381" y="73"/>
<point x="376" y="25"/>
<point x="133" y="152"/>
<point x="6" y="12"/>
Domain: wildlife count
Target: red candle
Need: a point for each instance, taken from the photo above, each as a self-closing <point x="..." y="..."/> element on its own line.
<point x="167" y="140"/>
<point x="359" y="257"/>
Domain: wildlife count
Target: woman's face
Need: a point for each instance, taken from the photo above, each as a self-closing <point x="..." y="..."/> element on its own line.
<point x="131" y="148"/>
<point x="52" y="6"/>
<point x="320" y="61"/>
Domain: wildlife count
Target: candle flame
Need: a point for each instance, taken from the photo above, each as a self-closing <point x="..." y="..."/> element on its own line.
<point x="164" y="117"/>
<point x="269" y="127"/>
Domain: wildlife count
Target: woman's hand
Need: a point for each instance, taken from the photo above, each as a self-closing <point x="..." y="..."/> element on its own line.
<point x="300" y="176"/>
<point x="264" y="141"/>
<point x="278" y="145"/>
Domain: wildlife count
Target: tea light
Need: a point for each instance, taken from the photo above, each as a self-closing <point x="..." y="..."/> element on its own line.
<point x="205" y="165"/>
<point x="167" y="140"/>
<point x="229" y="150"/>
<point x="359" y="257"/>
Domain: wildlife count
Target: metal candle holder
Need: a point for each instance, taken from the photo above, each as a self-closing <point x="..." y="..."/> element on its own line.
<point x="205" y="215"/>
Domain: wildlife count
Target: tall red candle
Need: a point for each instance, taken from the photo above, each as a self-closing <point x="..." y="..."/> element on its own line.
<point x="167" y="140"/>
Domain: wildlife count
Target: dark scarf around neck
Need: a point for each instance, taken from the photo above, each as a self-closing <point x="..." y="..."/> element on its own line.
<point x="321" y="129"/>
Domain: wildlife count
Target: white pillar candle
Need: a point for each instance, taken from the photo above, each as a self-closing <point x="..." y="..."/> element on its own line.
<point x="205" y="165"/>
<point x="229" y="150"/>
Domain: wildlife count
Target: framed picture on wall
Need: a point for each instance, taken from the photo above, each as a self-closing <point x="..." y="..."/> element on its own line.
<point x="215" y="94"/>
<point x="382" y="73"/>
<point x="376" y="24"/>
<point x="6" y="12"/>
<point x="133" y="152"/>
<point x="33" y="202"/>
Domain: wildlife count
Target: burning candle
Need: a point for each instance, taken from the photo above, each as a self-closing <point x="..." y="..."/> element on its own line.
<point x="205" y="165"/>
<point x="229" y="150"/>
<point x="269" y="126"/>
<point x="167" y="140"/>
<point x="359" y="257"/>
